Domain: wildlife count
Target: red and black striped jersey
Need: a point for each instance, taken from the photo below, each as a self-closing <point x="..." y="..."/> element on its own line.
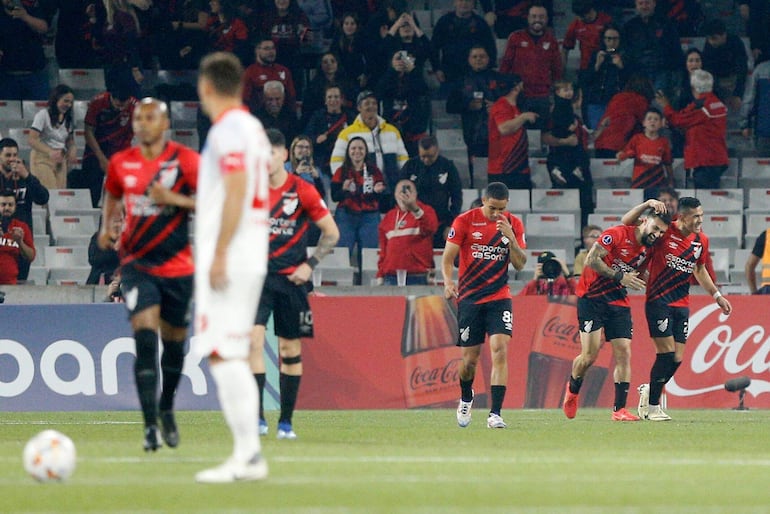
<point x="624" y="254"/>
<point x="484" y="255"/>
<point x="156" y="238"/>
<point x="293" y="207"/>
<point x="671" y="263"/>
<point x="112" y="127"/>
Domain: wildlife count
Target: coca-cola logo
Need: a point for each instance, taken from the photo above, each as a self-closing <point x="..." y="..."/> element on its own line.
<point x="737" y="352"/>
<point x="426" y="378"/>
<point x="562" y="330"/>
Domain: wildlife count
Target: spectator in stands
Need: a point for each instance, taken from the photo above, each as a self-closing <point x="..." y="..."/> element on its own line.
<point x="587" y="29"/>
<point x="274" y="112"/>
<point x="406" y="236"/>
<point x="749" y="121"/>
<point x="23" y="74"/>
<point x="325" y="125"/>
<point x="405" y="99"/>
<point x="670" y="198"/>
<point x="285" y="23"/>
<point x="327" y="74"/>
<point x="757" y="16"/>
<point x="16" y="242"/>
<point x="704" y="122"/>
<point x="472" y="97"/>
<point x="623" y="117"/>
<point x="52" y="139"/>
<point x="605" y="75"/>
<point x="724" y="56"/>
<point x="374" y="34"/>
<point x="301" y="163"/>
<point x="454" y="34"/>
<point x="552" y="281"/>
<point x="508" y="143"/>
<point x="180" y="41"/>
<point x="590" y="234"/>
<point x="73" y="34"/>
<point x="760" y="253"/>
<point x="568" y="163"/>
<point x="507" y="16"/>
<point x="265" y="68"/>
<point x="116" y="34"/>
<point x="686" y="15"/>
<point x="226" y="31"/>
<point x="357" y="187"/>
<point x="693" y="60"/>
<point x="107" y="131"/>
<point x="533" y="54"/>
<point x="15" y="176"/>
<point x="384" y="141"/>
<point x="405" y="35"/>
<point x="349" y="46"/>
<point x="104" y="263"/>
<point x="652" y="155"/>
<point x="438" y="179"/>
<point x="652" y="46"/>
<point x="320" y="16"/>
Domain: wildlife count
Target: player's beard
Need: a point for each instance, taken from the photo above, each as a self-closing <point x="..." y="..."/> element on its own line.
<point x="648" y="241"/>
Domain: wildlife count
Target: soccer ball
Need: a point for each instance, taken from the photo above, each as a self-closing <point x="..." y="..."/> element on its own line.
<point x="49" y="456"/>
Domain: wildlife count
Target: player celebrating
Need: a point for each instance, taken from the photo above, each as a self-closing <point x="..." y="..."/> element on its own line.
<point x="294" y="204"/>
<point x="486" y="238"/>
<point x="231" y="257"/>
<point x="154" y="183"/>
<point x="611" y="267"/>
<point x="682" y="254"/>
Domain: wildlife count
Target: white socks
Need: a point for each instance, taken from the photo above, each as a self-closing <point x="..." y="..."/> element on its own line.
<point x="238" y="398"/>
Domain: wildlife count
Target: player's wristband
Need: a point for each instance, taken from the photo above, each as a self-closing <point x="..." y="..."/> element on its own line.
<point x="717" y="295"/>
<point x="312" y="262"/>
<point x="618" y="276"/>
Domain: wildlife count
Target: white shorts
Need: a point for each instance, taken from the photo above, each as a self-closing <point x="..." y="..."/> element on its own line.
<point x="224" y="319"/>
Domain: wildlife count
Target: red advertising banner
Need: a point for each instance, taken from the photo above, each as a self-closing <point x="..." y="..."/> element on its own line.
<point x="396" y="352"/>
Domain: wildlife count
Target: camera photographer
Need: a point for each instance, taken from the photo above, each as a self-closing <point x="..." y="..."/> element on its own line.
<point x="551" y="278"/>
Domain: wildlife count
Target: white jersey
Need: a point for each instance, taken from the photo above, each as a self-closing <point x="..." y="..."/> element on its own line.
<point x="224" y="319"/>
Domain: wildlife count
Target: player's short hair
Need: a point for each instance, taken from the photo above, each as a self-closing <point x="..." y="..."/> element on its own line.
<point x="497" y="191"/>
<point x="665" y="217"/>
<point x="223" y="70"/>
<point x="688" y="203"/>
<point x="8" y="142"/>
<point x="276" y="137"/>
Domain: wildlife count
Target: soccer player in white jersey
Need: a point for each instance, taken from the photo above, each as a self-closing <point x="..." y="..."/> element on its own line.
<point x="231" y="241"/>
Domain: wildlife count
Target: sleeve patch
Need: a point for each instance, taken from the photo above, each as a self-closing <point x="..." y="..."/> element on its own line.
<point x="232" y="163"/>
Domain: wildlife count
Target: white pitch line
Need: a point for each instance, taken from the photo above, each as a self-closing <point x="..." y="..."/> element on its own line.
<point x="53" y="424"/>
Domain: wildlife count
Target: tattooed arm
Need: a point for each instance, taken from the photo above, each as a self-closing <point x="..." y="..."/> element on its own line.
<point x="595" y="260"/>
<point x="330" y="234"/>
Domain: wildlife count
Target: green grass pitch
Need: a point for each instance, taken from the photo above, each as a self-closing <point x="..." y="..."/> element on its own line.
<point x="418" y="461"/>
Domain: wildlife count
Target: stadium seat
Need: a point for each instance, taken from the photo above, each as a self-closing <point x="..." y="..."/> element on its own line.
<point x="41" y="241"/>
<point x="369" y="258"/>
<point x="729" y="178"/>
<point x="738" y="269"/>
<point x="75" y="275"/>
<point x="85" y="82"/>
<point x="20" y="135"/>
<point x="538" y="169"/>
<point x="469" y="196"/>
<point x="724" y="230"/>
<point x="611" y="174"/>
<point x="30" y="108"/>
<point x="38" y="274"/>
<point x="692" y="42"/>
<point x="72" y="230"/>
<point x="11" y="114"/>
<point x="335" y="267"/>
<point x="79" y="110"/>
<point x="755" y="225"/>
<point x="755" y="172"/>
<point x="519" y="202"/>
<point x="450" y="139"/>
<point x="528" y="272"/>
<point x="604" y="220"/>
<point x="66" y="256"/>
<point x="438" y="256"/>
<point x="759" y="201"/>
<point x="534" y="138"/>
<point x="558" y="200"/>
<point x="39" y="217"/>
<point x="716" y="201"/>
<point x="552" y="231"/>
<point x="186" y="137"/>
<point x="721" y="260"/>
<point x="72" y="202"/>
<point x="618" y="200"/>
<point x="184" y="114"/>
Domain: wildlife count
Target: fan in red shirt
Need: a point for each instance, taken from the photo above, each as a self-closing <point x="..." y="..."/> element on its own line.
<point x="486" y="239"/>
<point x="704" y="122"/>
<point x="681" y="255"/>
<point x="586" y="28"/>
<point x="16" y="239"/>
<point x="651" y="153"/>
<point x="623" y="117"/>
<point x="612" y="266"/>
<point x="508" y="146"/>
<point x="154" y="183"/>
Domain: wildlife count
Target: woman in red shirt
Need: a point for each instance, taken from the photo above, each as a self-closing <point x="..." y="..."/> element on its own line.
<point x="623" y="117"/>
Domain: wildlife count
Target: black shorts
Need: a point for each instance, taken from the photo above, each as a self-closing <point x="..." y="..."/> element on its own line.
<point x="475" y="320"/>
<point x="615" y="319"/>
<point x="665" y="321"/>
<point x="142" y="290"/>
<point x="288" y="303"/>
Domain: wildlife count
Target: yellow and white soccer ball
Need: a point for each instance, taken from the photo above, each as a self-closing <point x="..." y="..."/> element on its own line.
<point x="50" y="456"/>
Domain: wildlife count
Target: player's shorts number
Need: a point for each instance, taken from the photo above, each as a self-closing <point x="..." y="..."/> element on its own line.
<point x="508" y="320"/>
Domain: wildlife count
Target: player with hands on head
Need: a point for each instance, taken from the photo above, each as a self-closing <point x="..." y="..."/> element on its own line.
<point x="486" y="239"/>
<point x="612" y="266"/>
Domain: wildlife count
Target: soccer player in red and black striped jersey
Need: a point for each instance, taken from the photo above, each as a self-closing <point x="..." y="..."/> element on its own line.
<point x="154" y="183"/>
<point x="486" y="239"/>
<point x="294" y="205"/>
<point x="612" y="265"/>
<point x="681" y="254"/>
